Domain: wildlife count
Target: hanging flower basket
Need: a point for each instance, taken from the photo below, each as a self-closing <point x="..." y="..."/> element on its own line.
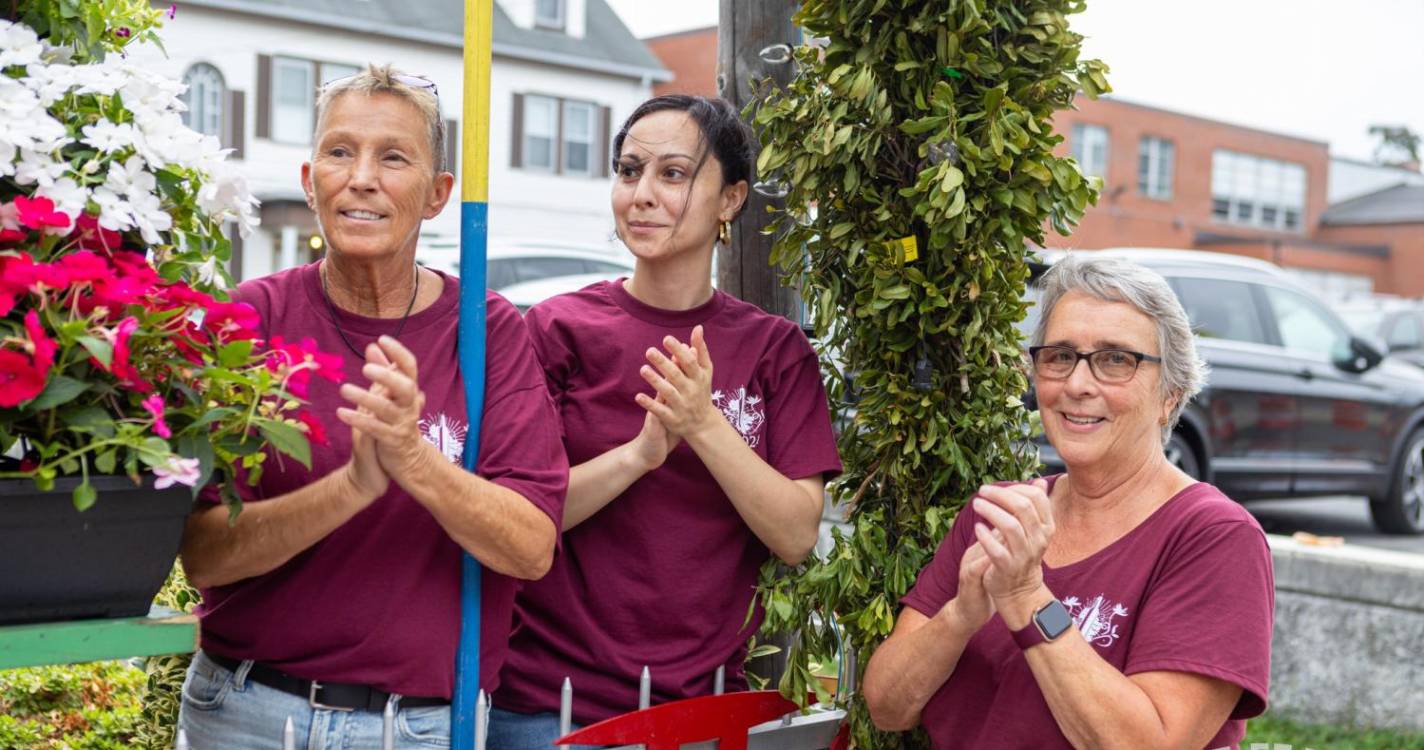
<point x="127" y="377"/>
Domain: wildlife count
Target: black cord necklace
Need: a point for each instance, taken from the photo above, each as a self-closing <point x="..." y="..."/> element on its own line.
<point x="331" y="308"/>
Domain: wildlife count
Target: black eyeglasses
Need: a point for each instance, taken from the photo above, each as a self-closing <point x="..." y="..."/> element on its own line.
<point x="1107" y="365"/>
<point x="415" y="82"/>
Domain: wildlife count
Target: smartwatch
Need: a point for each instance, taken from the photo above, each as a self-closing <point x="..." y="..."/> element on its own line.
<point x="1050" y="621"/>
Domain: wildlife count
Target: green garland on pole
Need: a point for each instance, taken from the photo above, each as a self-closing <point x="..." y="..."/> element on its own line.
<point x="915" y="150"/>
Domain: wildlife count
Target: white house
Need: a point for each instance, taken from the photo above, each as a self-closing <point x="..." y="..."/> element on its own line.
<point x="564" y="73"/>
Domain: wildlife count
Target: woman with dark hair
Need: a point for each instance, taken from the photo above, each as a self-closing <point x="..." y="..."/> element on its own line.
<point x="699" y="436"/>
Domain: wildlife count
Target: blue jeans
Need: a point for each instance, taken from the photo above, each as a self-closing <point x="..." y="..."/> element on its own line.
<point x="222" y="709"/>
<point x="513" y="731"/>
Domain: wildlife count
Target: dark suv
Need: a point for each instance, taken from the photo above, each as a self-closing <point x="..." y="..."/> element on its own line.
<point x="1295" y="404"/>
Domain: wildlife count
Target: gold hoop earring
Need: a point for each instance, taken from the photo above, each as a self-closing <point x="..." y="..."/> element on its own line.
<point x="724" y="234"/>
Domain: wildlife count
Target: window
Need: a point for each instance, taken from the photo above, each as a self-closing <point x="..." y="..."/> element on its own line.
<point x="1257" y="191"/>
<point x="293" y="89"/>
<point x="1305" y="326"/>
<point x="562" y="136"/>
<point x="578" y="137"/>
<point x="540" y="131"/>
<point x="549" y="14"/>
<point x="1403" y="333"/>
<point x="1154" y="167"/>
<point x="204" y="98"/>
<point x="1220" y="309"/>
<point x="1090" y="149"/>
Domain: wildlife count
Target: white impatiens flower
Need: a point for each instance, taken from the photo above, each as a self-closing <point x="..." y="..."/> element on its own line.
<point x="208" y="274"/>
<point x="39" y="168"/>
<point x="108" y="136"/>
<point x="19" y="44"/>
<point x="146" y="92"/>
<point x="68" y="196"/>
<point x="225" y="193"/>
<point x="149" y="216"/>
<point x="115" y="213"/>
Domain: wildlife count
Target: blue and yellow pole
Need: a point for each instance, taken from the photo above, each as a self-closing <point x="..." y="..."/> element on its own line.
<point x="474" y="232"/>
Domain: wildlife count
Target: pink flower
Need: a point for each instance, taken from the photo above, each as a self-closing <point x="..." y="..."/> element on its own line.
<point x="172" y="11"/>
<point x="178" y="470"/>
<point x="39" y="213"/>
<point x="297" y="361"/>
<point x="41" y="345"/>
<point x="232" y="321"/>
<point x="154" y="405"/>
<point x="20" y="379"/>
<point x="316" y="431"/>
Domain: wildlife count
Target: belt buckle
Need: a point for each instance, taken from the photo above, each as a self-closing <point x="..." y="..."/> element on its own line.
<point x="314" y="703"/>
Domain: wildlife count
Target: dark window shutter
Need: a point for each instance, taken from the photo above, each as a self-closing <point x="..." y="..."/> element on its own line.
<point x="236" y="123"/>
<point x="516" y="149"/>
<point x="606" y="139"/>
<point x="264" y="96"/>
<point x="559" y="138"/>
<point x="452" y="146"/>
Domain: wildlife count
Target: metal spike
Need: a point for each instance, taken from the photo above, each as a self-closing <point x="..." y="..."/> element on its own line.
<point x="645" y="689"/>
<point x="181" y="742"/>
<point x="772" y="188"/>
<point x="388" y="726"/>
<point x="776" y="54"/>
<point x="566" y="707"/>
<point x="719" y="681"/>
<point x="289" y="735"/>
<point x="481" y="720"/>
<point x="848" y="656"/>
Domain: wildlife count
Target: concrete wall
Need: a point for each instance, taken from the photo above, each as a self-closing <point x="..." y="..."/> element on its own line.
<point x="1349" y="635"/>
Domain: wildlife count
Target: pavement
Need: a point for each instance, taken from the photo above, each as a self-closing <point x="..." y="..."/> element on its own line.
<point x="1347" y="517"/>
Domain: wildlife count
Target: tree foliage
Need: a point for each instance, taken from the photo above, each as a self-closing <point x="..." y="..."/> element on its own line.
<point x="914" y="148"/>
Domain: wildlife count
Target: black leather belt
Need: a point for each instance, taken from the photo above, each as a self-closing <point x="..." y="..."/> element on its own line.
<point x="337" y="696"/>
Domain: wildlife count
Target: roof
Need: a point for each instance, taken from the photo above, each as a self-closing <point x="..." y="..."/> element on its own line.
<point x="606" y="47"/>
<point x="1399" y="204"/>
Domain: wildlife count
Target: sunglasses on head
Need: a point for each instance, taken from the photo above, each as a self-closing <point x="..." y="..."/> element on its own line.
<point x="413" y="81"/>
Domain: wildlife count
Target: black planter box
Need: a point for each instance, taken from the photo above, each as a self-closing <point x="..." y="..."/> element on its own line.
<point x="57" y="563"/>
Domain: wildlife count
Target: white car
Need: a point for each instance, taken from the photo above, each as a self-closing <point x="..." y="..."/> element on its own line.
<point x="518" y="262"/>
<point x="527" y="294"/>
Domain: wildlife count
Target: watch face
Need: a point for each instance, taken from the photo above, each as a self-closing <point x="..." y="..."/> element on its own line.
<point x="1053" y="619"/>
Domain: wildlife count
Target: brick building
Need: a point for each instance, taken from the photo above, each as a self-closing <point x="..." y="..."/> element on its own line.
<point x="1180" y="181"/>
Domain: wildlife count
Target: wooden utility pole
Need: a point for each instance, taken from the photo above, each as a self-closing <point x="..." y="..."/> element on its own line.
<point x="746" y="27"/>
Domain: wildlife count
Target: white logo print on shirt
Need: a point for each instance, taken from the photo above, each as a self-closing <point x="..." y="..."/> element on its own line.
<point x="1095" y="619"/>
<point x="445" y="433"/>
<point x="741" y="411"/>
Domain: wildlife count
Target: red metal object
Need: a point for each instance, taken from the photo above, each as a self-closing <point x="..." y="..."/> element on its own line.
<point x="842" y="740"/>
<point x="725" y="718"/>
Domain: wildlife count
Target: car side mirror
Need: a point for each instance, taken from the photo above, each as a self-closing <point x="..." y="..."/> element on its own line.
<point x="1362" y="355"/>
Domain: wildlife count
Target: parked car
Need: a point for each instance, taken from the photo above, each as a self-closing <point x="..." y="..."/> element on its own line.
<point x="1296" y="404"/>
<point x="511" y="262"/>
<point x="1395" y="322"/>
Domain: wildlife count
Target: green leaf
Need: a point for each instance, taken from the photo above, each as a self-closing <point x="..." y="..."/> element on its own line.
<point x="84" y="496"/>
<point x="287" y="439"/>
<point x="105" y="461"/>
<point x="235" y="354"/>
<point x="100" y="349"/>
<point x="61" y="389"/>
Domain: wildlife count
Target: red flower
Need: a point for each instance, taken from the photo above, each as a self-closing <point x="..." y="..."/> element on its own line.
<point x="90" y="236"/>
<point x="20" y="379"/>
<point x="84" y="266"/>
<point x="39" y="213"/>
<point x="297" y="361"/>
<point x="232" y="321"/>
<point x="42" y="346"/>
<point x="154" y="405"/>
<point x="316" y="432"/>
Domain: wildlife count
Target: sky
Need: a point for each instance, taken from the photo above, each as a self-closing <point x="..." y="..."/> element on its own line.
<point x="1319" y="69"/>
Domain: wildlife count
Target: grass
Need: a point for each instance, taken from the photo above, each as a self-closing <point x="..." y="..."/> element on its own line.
<point x="1273" y="732"/>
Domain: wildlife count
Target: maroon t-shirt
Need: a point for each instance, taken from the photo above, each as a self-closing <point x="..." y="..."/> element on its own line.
<point x="663" y="575"/>
<point x="376" y="602"/>
<point x="1189" y="590"/>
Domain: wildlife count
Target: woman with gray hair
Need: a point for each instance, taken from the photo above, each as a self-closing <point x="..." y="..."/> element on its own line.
<point x="1119" y="604"/>
<point x="334" y="594"/>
